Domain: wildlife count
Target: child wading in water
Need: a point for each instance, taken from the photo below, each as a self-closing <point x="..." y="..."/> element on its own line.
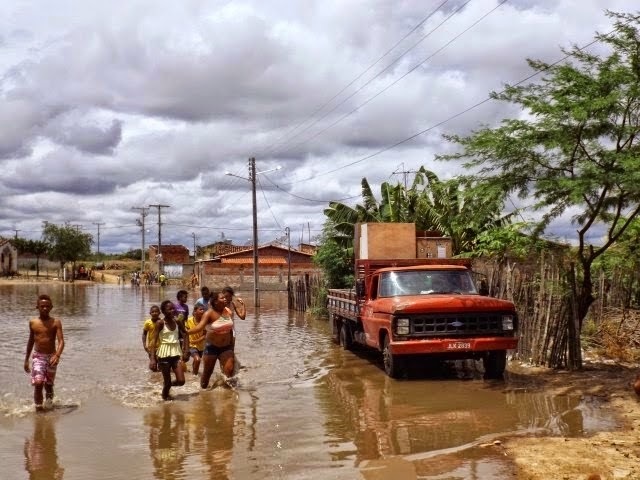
<point x="167" y="352"/>
<point x="196" y="340"/>
<point x="44" y="331"/>
<point x="148" y="329"/>
<point x="218" y="327"/>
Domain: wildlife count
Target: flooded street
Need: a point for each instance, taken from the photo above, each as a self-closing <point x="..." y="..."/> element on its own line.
<point x="303" y="407"/>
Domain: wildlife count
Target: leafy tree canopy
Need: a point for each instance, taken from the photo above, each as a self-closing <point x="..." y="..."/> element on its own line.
<point x="576" y="150"/>
<point x="66" y="243"/>
<point x="336" y="263"/>
<point x="459" y="208"/>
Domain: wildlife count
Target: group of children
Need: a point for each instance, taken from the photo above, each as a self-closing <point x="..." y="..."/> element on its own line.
<point x="206" y="337"/>
<point x="170" y="337"/>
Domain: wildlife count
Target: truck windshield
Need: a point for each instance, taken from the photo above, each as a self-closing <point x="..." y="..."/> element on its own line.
<point x="426" y="282"/>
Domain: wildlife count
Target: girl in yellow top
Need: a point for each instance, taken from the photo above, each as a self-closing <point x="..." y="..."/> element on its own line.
<point x="196" y="340"/>
<point x="168" y="351"/>
<point x="148" y="340"/>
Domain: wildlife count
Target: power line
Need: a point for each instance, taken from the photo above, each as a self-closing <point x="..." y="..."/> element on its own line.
<point x="98" y="225"/>
<point x="312" y="199"/>
<point x="159" y="256"/>
<point x="271" y="149"/>
<point x="446" y="120"/>
<point x="414" y="68"/>
<point x="269" y="205"/>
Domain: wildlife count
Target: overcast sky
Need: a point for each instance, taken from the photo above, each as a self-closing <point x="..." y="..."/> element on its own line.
<point x="108" y="106"/>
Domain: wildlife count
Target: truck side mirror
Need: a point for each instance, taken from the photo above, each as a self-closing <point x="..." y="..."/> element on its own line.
<point x="360" y="288"/>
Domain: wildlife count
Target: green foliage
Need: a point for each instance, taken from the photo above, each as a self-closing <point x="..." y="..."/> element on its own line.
<point x="336" y="263"/>
<point x="459" y="208"/>
<point x="135" y="254"/>
<point x="576" y="150"/>
<point x="38" y="248"/>
<point x="22" y="244"/>
<point x="66" y="243"/>
<point x="509" y="241"/>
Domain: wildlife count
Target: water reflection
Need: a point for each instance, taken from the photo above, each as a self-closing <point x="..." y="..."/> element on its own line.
<point x="204" y="427"/>
<point x="394" y="429"/>
<point x="168" y="439"/>
<point x="214" y="422"/>
<point x="41" y="451"/>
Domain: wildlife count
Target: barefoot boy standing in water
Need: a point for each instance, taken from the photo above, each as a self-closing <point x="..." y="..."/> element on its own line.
<point x="43" y="333"/>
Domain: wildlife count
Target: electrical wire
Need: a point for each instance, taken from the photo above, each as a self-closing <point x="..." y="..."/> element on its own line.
<point x="268" y="204"/>
<point x="442" y="122"/>
<point x="272" y="148"/>
<point x="414" y="68"/>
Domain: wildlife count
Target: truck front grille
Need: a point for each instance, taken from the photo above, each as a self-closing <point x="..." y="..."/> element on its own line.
<point x="457" y="324"/>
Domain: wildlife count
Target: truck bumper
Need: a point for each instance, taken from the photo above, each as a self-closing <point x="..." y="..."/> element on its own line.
<point x="452" y="345"/>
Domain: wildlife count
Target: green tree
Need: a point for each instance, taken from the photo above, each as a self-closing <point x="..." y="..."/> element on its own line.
<point x="38" y="248"/>
<point x="336" y="263"/>
<point x="459" y="208"/>
<point x="577" y="148"/>
<point x="67" y="244"/>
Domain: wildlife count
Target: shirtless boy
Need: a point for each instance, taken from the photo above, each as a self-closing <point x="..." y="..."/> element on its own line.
<point x="44" y="331"/>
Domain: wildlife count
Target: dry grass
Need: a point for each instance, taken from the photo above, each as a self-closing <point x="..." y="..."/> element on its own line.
<point x="617" y="336"/>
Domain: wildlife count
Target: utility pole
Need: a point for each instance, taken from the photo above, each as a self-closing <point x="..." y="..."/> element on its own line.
<point x="252" y="178"/>
<point x="144" y="211"/>
<point x="160" y="262"/>
<point x="98" y="225"/>
<point x="289" y="290"/>
<point x="404" y="173"/>
<point x="193" y="234"/>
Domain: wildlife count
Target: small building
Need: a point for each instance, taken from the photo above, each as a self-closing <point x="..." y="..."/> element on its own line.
<point x="221" y="248"/>
<point x="275" y="264"/>
<point x="171" y="254"/>
<point x="8" y="257"/>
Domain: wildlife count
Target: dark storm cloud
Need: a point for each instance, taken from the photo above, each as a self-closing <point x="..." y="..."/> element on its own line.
<point x="92" y="139"/>
<point x="67" y="182"/>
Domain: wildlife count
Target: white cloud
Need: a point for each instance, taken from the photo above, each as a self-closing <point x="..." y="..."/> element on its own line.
<point x="106" y="107"/>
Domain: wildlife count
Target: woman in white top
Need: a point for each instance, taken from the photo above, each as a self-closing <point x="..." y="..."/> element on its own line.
<point x="168" y="351"/>
<point x="218" y="327"/>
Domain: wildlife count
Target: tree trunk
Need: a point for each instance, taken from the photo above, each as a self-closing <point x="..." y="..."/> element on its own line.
<point x="585" y="296"/>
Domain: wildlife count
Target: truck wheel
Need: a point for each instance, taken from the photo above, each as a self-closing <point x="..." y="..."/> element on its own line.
<point x="336" y="331"/>
<point x="494" y="364"/>
<point x="345" y="336"/>
<point x="393" y="365"/>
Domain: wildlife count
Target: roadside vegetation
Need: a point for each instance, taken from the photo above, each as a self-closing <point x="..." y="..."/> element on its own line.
<point x="572" y="151"/>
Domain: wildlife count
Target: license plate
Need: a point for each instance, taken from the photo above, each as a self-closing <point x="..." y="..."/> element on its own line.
<point x="459" y="346"/>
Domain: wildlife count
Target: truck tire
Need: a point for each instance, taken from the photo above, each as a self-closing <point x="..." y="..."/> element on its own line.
<point x="393" y="364"/>
<point x="337" y="326"/>
<point x="494" y="364"/>
<point x="346" y="340"/>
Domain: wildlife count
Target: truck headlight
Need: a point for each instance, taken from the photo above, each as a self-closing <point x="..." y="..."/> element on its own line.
<point x="507" y="322"/>
<point x="402" y="326"/>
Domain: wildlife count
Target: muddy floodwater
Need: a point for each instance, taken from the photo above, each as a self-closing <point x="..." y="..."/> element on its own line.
<point x="303" y="408"/>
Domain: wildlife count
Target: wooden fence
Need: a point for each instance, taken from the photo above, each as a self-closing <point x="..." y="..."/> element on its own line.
<point x="305" y="291"/>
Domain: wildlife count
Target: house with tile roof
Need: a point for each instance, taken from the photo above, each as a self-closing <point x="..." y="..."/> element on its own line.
<point x="235" y="269"/>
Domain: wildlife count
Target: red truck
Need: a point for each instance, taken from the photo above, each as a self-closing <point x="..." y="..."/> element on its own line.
<point x="415" y="307"/>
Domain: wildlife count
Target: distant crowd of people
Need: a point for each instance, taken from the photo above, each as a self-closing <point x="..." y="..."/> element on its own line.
<point x="144" y="278"/>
